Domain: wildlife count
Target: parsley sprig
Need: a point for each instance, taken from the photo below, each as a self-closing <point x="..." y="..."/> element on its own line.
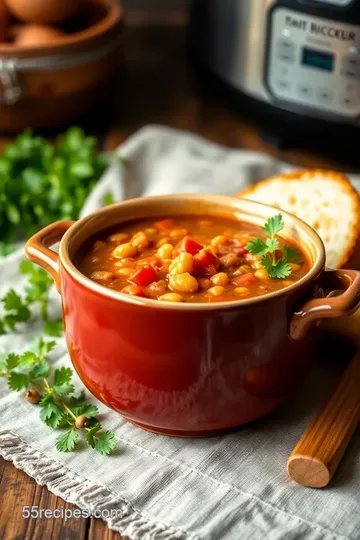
<point x="17" y="308"/>
<point x="42" y="182"/>
<point x="54" y="393"/>
<point x="269" y="249"/>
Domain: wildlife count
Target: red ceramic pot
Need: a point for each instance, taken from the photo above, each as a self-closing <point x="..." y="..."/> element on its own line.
<point x="191" y="369"/>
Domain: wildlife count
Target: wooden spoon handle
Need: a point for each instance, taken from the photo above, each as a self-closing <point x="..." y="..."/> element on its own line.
<point x="318" y="453"/>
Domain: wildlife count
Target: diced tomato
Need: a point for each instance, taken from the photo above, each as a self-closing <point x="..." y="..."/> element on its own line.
<point x="189" y="245"/>
<point x="144" y="276"/>
<point x="133" y="290"/>
<point x="207" y="258"/>
<point x="165" y="224"/>
<point x="239" y="250"/>
<point x="245" y="279"/>
<point x="206" y="263"/>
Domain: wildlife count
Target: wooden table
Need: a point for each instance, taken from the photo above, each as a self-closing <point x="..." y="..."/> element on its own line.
<point x="156" y="86"/>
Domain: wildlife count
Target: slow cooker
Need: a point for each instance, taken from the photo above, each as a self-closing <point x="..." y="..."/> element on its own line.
<point x="297" y="61"/>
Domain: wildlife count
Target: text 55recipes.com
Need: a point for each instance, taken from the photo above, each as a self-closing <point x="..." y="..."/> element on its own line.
<point x="68" y="513"/>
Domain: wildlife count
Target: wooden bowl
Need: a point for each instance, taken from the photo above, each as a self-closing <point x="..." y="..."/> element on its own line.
<point x="52" y="85"/>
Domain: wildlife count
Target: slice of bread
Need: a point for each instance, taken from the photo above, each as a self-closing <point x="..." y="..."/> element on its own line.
<point x="326" y="200"/>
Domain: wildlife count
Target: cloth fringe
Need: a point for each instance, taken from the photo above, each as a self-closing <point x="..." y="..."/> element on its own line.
<point x="85" y="494"/>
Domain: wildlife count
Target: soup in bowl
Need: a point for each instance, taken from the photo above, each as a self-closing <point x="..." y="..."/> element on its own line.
<point x="192" y="314"/>
<point x="193" y="259"/>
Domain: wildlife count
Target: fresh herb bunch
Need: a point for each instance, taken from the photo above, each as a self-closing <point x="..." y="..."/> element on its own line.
<point x="273" y="258"/>
<point x="17" y="308"/>
<point x="41" y="182"/>
<point x="54" y="393"/>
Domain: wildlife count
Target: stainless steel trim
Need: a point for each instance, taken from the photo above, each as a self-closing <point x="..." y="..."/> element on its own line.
<point x="236" y="44"/>
<point x="237" y="31"/>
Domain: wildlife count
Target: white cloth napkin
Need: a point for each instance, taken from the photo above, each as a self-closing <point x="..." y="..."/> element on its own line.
<point x="232" y="487"/>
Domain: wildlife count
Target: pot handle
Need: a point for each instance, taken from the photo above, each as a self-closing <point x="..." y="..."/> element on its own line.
<point x="333" y="305"/>
<point x="37" y="248"/>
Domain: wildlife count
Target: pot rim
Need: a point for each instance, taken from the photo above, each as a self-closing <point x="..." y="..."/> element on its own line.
<point x="84" y="37"/>
<point x="233" y="204"/>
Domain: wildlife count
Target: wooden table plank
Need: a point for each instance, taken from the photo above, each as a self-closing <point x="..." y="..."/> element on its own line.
<point x="17" y="490"/>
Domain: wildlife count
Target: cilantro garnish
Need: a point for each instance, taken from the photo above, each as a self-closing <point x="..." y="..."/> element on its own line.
<point x="54" y="393"/>
<point x="276" y="265"/>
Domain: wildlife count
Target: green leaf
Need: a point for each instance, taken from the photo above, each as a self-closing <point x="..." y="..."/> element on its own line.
<point x="257" y="247"/>
<point x="13" y="214"/>
<point x="33" y="180"/>
<point x="22" y="315"/>
<point x="108" y="198"/>
<point x="16" y="310"/>
<point x="88" y="410"/>
<point x="18" y="381"/>
<point x="12" y="301"/>
<point x="12" y="361"/>
<point x="62" y="385"/>
<point x="272" y="244"/>
<point x="279" y="270"/>
<point x="102" y="442"/>
<point x="41" y="182"/>
<point x="64" y="389"/>
<point x="54" y="328"/>
<point x="67" y="442"/>
<point x="76" y="401"/>
<point x="62" y="376"/>
<point x="42" y="347"/>
<point x="91" y="435"/>
<point x="28" y="359"/>
<point x="3" y="359"/>
<point x="73" y="139"/>
<point x="105" y="443"/>
<point x="46" y="398"/>
<point x="51" y="414"/>
<point x="66" y="421"/>
<point x="26" y="267"/>
<point x="274" y="225"/>
<point x="291" y="255"/>
<point x="42" y="370"/>
<point x="82" y="169"/>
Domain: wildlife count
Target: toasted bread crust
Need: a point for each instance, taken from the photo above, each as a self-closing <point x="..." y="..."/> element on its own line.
<point x="349" y="253"/>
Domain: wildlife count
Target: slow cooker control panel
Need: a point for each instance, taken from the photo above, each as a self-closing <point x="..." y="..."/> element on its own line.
<point x="314" y="63"/>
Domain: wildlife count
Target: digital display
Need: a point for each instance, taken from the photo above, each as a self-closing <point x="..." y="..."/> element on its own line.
<point x="317" y="59"/>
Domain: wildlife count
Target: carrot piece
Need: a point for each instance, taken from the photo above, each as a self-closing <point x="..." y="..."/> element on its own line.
<point x="245" y="279"/>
